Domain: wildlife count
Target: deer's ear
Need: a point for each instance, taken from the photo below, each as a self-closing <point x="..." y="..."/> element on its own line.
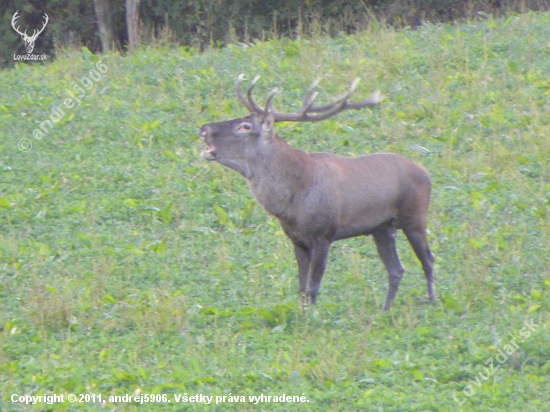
<point x="267" y="125"/>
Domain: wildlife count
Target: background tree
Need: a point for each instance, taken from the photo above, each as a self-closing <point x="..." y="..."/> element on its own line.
<point x="132" y="22"/>
<point x="105" y="24"/>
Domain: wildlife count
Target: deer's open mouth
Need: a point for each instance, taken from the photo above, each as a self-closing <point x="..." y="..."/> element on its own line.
<point x="209" y="154"/>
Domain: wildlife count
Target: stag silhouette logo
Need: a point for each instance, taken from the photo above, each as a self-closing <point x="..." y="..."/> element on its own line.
<point x="29" y="40"/>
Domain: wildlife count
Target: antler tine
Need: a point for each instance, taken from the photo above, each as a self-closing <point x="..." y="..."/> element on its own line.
<point x="269" y="103"/>
<point x="353" y="85"/>
<point x="308" y="100"/>
<point x="375" y="98"/>
<point x="306" y="107"/>
<point x="240" y="94"/>
<point x="313" y="84"/>
<point x="251" y="101"/>
<point x="339" y="100"/>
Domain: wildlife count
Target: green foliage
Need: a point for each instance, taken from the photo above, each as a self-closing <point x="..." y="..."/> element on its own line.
<point x="130" y="265"/>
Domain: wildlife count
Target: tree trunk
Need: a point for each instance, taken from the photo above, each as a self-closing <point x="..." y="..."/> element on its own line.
<point x="104" y="15"/>
<point x="132" y="20"/>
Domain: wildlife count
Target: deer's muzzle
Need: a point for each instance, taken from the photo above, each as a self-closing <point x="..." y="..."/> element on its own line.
<point x="209" y="154"/>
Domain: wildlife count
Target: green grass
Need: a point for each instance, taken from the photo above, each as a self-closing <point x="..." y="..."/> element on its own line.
<point x="130" y="265"/>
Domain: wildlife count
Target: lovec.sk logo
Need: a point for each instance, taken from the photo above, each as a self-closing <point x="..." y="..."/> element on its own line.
<point x="29" y="40"/>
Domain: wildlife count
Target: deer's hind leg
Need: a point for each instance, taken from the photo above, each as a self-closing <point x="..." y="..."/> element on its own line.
<point x="417" y="239"/>
<point x="384" y="237"/>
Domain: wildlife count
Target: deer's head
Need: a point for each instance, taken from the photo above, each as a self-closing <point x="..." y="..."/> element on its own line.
<point x="234" y="143"/>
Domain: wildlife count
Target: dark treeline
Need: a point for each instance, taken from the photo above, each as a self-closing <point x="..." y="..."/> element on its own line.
<point x="124" y="24"/>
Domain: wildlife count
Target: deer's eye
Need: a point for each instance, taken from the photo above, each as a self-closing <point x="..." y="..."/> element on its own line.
<point x="245" y="126"/>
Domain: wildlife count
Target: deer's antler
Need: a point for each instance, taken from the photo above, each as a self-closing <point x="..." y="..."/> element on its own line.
<point x="303" y="114"/>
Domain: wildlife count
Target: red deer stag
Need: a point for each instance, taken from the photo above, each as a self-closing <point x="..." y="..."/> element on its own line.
<point x="321" y="197"/>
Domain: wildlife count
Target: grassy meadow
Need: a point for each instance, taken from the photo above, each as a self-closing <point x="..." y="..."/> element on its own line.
<point x="130" y="265"/>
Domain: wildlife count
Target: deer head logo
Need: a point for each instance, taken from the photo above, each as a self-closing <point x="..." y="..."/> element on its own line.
<point x="29" y="40"/>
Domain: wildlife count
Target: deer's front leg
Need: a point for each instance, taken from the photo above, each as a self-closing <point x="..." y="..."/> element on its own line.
<point x="303" y="257"/>
<point x="312" y="263"/>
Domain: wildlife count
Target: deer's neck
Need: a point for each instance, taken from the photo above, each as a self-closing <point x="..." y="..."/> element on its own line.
<point x="279" y="177"/>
